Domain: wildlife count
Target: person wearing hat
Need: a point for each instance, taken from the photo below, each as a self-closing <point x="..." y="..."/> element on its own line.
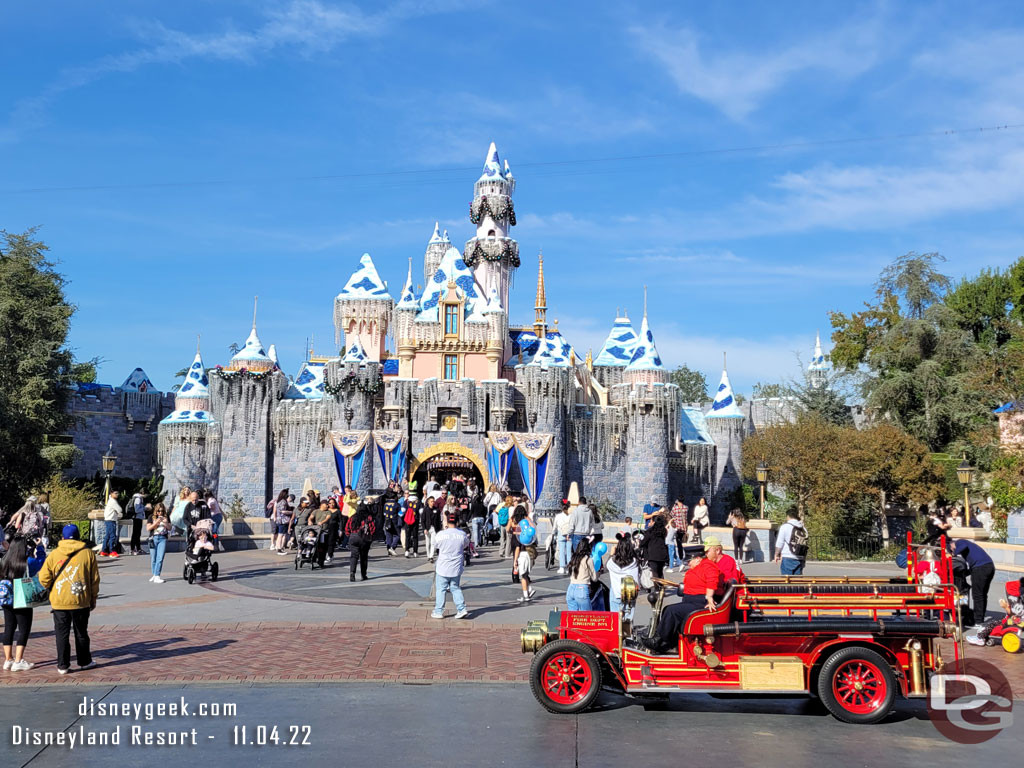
<point x="702" y="584"/>
<point x="73" y="578"/>
<point x="715" y="552"/>
<point x="112" y="513"/>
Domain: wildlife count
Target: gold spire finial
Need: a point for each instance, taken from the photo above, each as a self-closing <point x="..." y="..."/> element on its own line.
<point x="540" y="323"/>
<point x="590" y="359"/>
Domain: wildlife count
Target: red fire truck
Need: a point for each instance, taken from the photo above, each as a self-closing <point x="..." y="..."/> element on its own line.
<point x="855" y="643"/>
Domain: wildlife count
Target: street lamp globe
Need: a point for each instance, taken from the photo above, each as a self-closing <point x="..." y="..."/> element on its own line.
<point x="762" y="473"/>
<point x="109" y="460"/>
<point x="964" y="473"/>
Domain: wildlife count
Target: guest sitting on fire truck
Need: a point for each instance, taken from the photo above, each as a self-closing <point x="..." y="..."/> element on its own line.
<point x="701" y="584"/>
<point x="714" y="552"/>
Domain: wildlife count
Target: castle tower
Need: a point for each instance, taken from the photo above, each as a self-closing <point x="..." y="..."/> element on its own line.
<point x="617" y="352"/>
<point x="189" y="438"/>
<point x="645" y="366"/>
<point x="820" y="367"/>
<point x="436" y="248"/>
<point x="728" y="427"/>
<point x="497" y="333"/>
<point x="492" y="254"/>
<point x="549" y="392"/>
<point x="405" y="318"/>
<point x="363" y="309"/>
<point x="243" y="396"/>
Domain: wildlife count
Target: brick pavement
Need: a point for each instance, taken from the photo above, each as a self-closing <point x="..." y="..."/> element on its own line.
<point x="410" y="650"/>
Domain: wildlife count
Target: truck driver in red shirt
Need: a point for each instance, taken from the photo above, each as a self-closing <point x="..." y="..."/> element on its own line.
<point x="701" y="584"/>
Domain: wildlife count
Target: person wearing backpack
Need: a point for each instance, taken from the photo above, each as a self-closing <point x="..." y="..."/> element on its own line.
<point x="411" y="525"/>
<point x="791" y="545"/>
<point x="360" y="530"/>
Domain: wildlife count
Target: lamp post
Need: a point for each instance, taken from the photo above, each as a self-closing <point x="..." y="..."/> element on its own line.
<point x="964" y="473"/>
<point x="762" y="480"/>
<point x="109" y="462"/>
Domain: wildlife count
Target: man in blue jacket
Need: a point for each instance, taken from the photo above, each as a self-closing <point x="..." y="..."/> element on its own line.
<point x="981" y="569"/>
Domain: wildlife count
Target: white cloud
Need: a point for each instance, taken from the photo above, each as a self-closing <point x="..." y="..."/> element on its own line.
<point x="735" y="82"/>
<point x="310" y="26"/>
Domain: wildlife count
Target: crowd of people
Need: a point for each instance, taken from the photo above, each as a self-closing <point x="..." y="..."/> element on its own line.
<point x="449" y="522"/>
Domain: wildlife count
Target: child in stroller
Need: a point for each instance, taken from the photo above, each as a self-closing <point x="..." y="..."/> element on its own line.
<point x="1009" y="630"/>
<point x="199" y="548"/>
<point x="312" y="547"/>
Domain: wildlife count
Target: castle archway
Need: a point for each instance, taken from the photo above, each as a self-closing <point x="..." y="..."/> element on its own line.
<point x="445" y="459"/>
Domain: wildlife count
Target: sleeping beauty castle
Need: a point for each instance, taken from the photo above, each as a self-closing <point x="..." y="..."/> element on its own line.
<point x="464" y="389"/>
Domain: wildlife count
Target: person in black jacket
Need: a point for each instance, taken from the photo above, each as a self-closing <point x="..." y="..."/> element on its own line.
<point x="430" y="519"/>
<point x="360" y="530"/>
<point x="653" y="546"/>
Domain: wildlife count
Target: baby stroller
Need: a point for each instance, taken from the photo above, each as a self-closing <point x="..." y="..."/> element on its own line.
<point x="202" y="563"/>
<point x="312" y="547"/>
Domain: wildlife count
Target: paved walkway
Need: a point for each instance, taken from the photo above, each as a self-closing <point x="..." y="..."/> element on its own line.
<point x="263" y="621"/>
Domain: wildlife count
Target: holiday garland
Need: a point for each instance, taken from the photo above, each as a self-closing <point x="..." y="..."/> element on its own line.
<point x="497" y="207"/>
<point x="491" y="249"/>
<point x="351" y="383"/>
<point x="222" y="373"/>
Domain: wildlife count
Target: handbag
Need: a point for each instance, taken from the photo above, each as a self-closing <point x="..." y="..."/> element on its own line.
<point x="30" y="593"/>
<point x="646" y="577"/>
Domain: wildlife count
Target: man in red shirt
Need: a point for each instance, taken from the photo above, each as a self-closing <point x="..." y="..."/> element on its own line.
<point x="702" y="583"/>
<point x="713" y="551"/>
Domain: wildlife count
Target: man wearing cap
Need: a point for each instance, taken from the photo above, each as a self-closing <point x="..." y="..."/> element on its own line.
<point x="111" y="515"/>
<point x="71" y="575"/>
<point x="714" y="552"/>
<point x="702" y="583"/>
<point x="651" y="510"/>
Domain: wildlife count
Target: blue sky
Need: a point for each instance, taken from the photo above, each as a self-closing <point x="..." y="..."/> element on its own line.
<point x="171" y="152"/>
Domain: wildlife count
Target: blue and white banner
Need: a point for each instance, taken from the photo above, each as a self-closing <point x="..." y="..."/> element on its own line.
<point x="391" y="450"/>
<point x="500" y="452"/>
<point x="349" y="455"/>
<point x="532" y="454"/>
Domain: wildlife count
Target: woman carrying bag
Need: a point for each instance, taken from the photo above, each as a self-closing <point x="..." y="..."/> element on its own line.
<point x="581" y="576"/>
<point x="17" y="564"/>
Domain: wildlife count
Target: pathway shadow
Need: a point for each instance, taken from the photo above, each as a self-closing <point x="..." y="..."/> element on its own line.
<point x="145" y="650"/>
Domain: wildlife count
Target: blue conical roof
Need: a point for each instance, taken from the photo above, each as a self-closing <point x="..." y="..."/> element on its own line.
<point x="619" y="346"/>
<point x="724" y="405"/>
<point x="645" y="354"/>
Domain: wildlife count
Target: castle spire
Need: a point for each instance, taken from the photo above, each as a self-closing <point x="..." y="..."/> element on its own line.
<point x="255" y="304"/>
<point x="540" y="323"/>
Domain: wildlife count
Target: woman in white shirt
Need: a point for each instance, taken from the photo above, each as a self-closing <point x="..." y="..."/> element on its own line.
<point x="622" y="563"/>
<point x="701" y="519"/>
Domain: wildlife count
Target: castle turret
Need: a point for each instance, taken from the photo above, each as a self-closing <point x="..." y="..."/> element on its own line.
<point x="728" y="427"/>
<point x="243" y="396"/>
<point x="364" y="309"/>
<point x="405" y="319"/>
<point x="617" y="352"/>
<point x="820" y="367"/>
<point x="549" y="392"/>
<point x="189" y="438"/>
<point x="497" y="333"/>
<point x="436" y="247"/>
<point x="645" y="366"/>
<point x="492" y="254"/>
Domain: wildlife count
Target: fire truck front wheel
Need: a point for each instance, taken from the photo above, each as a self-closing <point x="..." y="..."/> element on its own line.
<point x="565" y="676"/>
<point x="857" y="685"/>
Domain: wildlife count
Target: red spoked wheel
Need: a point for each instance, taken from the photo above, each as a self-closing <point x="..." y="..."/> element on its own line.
<point x="857" y="685"/>
<point x="565" y="676"/>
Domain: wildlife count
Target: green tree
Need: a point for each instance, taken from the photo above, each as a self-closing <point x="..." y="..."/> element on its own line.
<point x="36" y="367"/>
<point x="914" y="278"/>
<point x="692" y="384"/>
<point x="766" y="391"/>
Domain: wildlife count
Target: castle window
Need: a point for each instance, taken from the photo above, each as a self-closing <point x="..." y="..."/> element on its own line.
<point x="451" y="319"/>
<point x="451" y="367"/>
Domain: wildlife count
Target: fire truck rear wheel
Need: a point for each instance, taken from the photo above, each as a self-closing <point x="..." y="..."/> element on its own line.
<point x="565" y="677"/>
<point x="857" y="685"/>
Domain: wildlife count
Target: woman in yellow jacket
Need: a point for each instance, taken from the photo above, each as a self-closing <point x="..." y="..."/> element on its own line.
<point x="71" y="575"/>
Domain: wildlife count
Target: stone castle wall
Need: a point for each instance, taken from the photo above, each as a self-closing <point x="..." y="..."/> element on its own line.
<point x="104" y="416"/>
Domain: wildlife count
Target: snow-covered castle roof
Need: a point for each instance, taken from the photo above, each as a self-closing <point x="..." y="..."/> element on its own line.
<point x="252" y="352"/>
<point x="619" y="346"/>
<point x="192" y="401"/>
<point x="437" y="237"/>
<point x="309" y="382"/>
<point x="197" y="383"/>
<point x="492" y="165"/>
<point x="818" y="360"/>
<point x="645" y="354"/>
<point x="554" y="351"/>
<point x="365" y="282"/>
<point x="408" y="299"/>
<point x="452" y="269"/>
<point x="355" y="353"/>
<point x="138" y="381"/>
<point x="724" y="405"/>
